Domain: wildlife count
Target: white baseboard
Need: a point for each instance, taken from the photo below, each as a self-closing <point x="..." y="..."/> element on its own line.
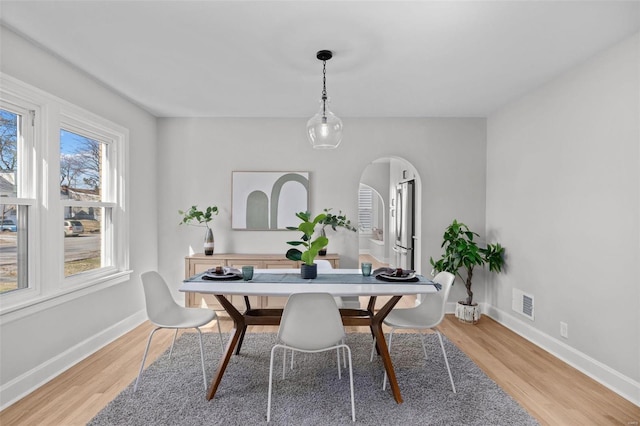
<point x="603" y="374"/>
<point x="28" y="382"/>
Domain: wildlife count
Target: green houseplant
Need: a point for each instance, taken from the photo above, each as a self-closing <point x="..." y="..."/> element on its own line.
<point x="310" y="246"/>
<point x="334" y="221"/>
<point x="462" y="253"/>
<point x="193" y="215"/>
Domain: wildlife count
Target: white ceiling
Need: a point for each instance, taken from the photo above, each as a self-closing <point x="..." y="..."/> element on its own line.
<point x="257" y="58"/>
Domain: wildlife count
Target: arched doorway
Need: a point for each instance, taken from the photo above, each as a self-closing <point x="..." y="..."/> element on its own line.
<point x="378" y="183"/>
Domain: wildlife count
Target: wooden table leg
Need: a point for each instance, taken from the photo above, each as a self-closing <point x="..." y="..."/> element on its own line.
<point x="376" y="327"/>
<point x="241" y="339"/>
<point x="239" y="326"/>
<point x="247" y="303"/>
<point x="371" y="308"/>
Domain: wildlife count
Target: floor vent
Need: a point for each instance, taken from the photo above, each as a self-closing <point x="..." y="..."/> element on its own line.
<point x="522" y="303"/>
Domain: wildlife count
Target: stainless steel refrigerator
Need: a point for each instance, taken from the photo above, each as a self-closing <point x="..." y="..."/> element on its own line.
<point x="404" y="225"/>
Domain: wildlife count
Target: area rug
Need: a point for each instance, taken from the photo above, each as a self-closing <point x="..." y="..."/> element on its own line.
<point x="171" y="391"/>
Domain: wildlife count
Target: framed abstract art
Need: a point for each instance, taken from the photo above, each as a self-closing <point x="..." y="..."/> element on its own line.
<point x="268" y="201"/>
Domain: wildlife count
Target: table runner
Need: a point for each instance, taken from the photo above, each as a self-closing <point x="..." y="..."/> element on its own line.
<point x="268" y="278"/>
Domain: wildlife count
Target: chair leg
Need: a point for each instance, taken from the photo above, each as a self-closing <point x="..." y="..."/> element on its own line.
<point x="346" y="350"/>
<point x="173" y="342"/>
<point x="373" y="348"/>
<point x="284" y="361"/>
<point x="353" y="404"/>
<point x="220" y="334"/>
<point x="338" y="361"/>
<point x="446" y="361"/>
<point x="204" y="374"/>
<point x="144" y="358"/>
<point x="271" y="381"/>
<point x="384" y="380"/>
<point x="344" y="355"/>
<point x="424" y="348"/>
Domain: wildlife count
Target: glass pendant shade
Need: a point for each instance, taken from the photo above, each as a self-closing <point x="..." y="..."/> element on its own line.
<point x="324" y="129"/>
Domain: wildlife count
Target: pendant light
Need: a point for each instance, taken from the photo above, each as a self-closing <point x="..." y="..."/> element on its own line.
<point x="324" y="129"/>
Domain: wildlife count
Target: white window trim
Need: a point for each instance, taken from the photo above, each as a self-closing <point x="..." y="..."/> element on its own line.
<point x="49" y="288"/>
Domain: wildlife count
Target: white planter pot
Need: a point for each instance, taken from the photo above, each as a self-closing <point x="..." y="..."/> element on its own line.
<point x="468" y="313"/>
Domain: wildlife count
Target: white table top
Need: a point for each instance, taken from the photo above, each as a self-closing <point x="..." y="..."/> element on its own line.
<point x="248" y="288"/>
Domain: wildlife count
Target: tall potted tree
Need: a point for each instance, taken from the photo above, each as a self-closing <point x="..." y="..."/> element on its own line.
<point x="205" y="216"/>
<point x="311" y="246"/>
<point x="462" y="253"/>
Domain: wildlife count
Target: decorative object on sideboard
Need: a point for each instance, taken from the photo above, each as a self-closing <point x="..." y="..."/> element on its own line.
<point x="201" y="217"/>
<point x="311" y="246"/>
<point x="461" y="252"/>
<point x="324" y="129"/>
<point x="334" y="221"/>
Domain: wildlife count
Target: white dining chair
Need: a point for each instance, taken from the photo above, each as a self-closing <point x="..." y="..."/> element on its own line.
<point x="164" y="312"/>
<point x="426" y="316"/>
<point x="310" y="323"/>
<point x="343" y="302"/>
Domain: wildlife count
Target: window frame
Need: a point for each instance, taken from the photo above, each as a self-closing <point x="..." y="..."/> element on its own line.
<point x="27" y="181"/>
<point x="48" y="286"/>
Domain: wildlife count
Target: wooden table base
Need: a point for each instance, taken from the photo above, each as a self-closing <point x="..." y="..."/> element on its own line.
<point x="350" y="317"/>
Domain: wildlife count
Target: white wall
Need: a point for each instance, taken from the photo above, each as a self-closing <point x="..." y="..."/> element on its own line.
<point x="197" y="156"/>
<point x="563" y="189"/>
<point x="39" y="346"/>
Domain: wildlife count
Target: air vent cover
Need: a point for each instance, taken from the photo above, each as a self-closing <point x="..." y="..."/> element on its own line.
<point x="522" y="303"/>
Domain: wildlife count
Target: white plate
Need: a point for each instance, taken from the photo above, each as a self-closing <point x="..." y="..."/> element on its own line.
<point x="394" y="278"/>
<point x="220" y="277"/>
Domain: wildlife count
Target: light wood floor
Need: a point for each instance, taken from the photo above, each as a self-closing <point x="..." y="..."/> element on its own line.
<point x="548" y="389"/>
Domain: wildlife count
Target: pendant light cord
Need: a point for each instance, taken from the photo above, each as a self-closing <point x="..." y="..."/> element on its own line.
<point x="324" y="88"/>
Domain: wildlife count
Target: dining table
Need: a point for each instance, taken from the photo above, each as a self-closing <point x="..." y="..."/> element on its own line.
<point x="285" y="282"/>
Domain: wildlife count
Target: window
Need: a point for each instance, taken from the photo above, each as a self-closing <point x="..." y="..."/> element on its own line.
<point x="85" y="204"/>
<point x="365" y="208"/>
<point x="60" y="167"/>
<point x="16" y="201"/>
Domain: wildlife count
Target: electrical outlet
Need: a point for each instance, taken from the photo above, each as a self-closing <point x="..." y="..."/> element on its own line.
<point x="564" y="330"/>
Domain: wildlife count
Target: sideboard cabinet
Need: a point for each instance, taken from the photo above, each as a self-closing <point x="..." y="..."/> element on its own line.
<point x="199" y="263"/>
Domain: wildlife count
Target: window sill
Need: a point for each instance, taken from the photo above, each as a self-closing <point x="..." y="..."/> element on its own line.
<point x="16" y="311"/>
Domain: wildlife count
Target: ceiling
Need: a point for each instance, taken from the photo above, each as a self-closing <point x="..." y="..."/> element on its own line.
<point x="257" y="58"/>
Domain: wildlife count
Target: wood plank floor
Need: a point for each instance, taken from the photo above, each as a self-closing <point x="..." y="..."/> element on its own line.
<point x="551" y="391"/>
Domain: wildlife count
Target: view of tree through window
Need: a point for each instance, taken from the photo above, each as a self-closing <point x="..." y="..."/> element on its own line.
<point x="81" y="192"/>
<point x="9" y="211"/>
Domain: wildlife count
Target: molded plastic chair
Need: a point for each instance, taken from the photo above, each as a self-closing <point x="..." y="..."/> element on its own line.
<point x="310" y="323"/>
<point x="343" y="302"/>
<point x="164" y="312"/>
<point x="427" y="315"/>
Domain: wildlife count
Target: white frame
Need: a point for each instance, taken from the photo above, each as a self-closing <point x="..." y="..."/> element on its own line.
<point x="267" y="185"/>
<point x="46" y="218"/>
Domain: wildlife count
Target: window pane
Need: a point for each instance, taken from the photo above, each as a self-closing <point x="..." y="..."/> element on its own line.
<point x="80" y="167"/>
<point x="8" y="153"/>
<point x="365" y="208"/>
<point x="81" y="180"/>
<point x="83" y="242"/>
<point x="13" y="247"/>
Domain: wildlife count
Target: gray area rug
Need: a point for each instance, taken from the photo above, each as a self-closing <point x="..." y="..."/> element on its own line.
<point x="171" y="390"/>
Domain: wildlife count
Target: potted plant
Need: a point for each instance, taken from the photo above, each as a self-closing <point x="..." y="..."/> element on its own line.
<point x="311" y="246"/>
<point x="334" y="221"/>
<point x="461" y="252"/>
<point x="201" y="217"/>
